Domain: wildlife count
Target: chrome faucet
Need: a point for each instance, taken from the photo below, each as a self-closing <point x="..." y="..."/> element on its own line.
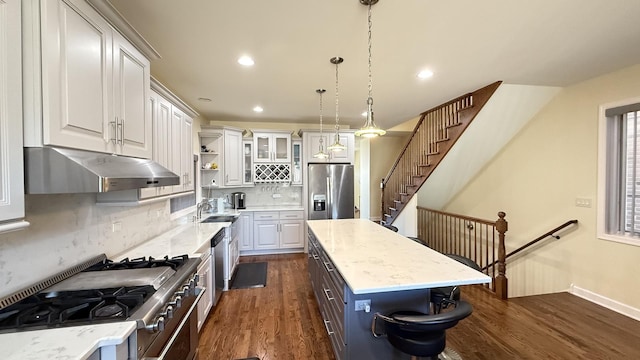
<point x="202" y="205"/>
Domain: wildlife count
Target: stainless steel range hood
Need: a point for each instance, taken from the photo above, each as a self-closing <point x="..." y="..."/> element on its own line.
<point x="51" y="170"/>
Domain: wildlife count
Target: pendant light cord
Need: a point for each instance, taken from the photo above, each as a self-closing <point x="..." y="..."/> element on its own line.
<point x="337" y="106"/>
<point x="320" y="92"/>
<point x="370" y="77"/>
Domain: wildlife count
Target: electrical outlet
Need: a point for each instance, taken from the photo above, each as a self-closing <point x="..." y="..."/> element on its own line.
<point x="583" y="202"/>
<point x="159" y="213"/>
<point x="362" y="305"/>
<point x="116" y="226"/>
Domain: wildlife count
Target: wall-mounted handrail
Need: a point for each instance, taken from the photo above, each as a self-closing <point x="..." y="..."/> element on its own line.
<point x="550" y="233"/>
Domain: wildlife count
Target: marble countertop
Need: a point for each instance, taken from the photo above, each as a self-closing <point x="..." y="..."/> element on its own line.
<point x="79" y="342"/>
<point x="192" y="238"/>
<point x="373" y="259"/>
<point x="69" y="343"/>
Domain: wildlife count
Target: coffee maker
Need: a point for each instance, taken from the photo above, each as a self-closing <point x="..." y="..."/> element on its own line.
<point x="238" y="200"/>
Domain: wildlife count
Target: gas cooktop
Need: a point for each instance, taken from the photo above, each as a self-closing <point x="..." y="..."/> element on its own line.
<point x="105" y="291"/>
<point x="66" y="308"/>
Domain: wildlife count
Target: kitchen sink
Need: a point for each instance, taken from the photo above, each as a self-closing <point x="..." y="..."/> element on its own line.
<point x="219" y="218"/>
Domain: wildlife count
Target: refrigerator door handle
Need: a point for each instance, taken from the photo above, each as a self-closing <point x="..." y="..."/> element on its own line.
<point x="329" y="198"/>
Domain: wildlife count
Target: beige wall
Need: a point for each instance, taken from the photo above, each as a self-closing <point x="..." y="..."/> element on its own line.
<point x="536" y="178"/>
<point x="384" y="151"/>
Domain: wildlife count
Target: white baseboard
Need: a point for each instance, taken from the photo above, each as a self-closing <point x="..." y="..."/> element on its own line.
<point x="606" y="302"/>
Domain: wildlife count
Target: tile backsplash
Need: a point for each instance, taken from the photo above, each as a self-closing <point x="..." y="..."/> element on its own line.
<point x="264" y="195"/>
<point x="69" y="229"/>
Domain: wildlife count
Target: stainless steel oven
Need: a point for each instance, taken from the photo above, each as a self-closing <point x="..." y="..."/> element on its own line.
<point x="179" y="340"/>
<point x="160" y="295"/>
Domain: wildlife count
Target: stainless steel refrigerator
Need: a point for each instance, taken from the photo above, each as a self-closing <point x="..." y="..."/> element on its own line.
<point x="330" y="191"/>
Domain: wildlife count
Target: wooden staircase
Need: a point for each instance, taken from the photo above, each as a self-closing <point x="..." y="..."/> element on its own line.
<point x="435" y="134"/>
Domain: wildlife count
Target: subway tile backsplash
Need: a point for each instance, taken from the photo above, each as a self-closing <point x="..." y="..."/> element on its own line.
<point x="69" y="229"/>
<point x="263" y="195"/>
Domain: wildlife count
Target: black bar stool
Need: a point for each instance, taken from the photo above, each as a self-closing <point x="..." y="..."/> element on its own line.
<point x="418" y="334"/>
<point x="443" y="296"/>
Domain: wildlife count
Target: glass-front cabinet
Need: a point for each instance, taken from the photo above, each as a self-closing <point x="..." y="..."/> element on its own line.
<point x="247" y="162"/>
<point x="271" y="146"/>
<point x="296" y="162"/>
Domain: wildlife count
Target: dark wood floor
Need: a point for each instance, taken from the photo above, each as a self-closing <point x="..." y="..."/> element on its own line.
<point x="282" y="322"/>
<point x="278" y="322"/>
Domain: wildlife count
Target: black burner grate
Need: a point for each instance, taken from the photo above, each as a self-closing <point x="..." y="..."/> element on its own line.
<point x="139" y="263"/>
<point x="52" y="309"/>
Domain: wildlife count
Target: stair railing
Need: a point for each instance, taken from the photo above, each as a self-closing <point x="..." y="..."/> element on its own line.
<point x="480" y="240"/>
<point x="424" y="149"/>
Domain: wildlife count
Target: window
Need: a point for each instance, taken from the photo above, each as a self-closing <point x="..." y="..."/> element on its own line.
<point x="619" y="173"/>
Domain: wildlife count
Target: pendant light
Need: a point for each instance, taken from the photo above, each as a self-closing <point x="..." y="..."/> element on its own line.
<point x="337" y="145"/>
<point x="321" y="154"/>
<point x="369" y="129"/>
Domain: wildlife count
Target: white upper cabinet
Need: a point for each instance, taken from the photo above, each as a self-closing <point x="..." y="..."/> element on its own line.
<point x="233" y="158"/>
<point x="186" y="169"/>
<point x="311" y="139"/>
<point x="86" y="86"/>
<point x="131" y="89"/>
<point x="223" y="146"/>
<point x="77" y="77"/>
<point x="172" y="140"/>
<point x="271" y="146"/>
<point x="11" y="159"/>
<point x="182" y="142"/>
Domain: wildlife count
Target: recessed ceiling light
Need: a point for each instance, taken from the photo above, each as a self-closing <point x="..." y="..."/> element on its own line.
<point x="258" y="109"/>
<point x="425" y="74"/>
<point x="245" y="61"/>
<point x="204" y="99"/>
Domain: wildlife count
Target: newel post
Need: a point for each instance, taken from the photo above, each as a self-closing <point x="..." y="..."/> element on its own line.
<point x="501" y="280"/>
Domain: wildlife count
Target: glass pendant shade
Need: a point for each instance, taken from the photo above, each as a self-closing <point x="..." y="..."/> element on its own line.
<point x="337" y="146"/>
<point x="369" y="129"/>
<point x="321" y="154"/>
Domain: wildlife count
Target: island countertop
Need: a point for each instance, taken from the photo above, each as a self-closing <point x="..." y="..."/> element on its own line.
<point x="374" y="259"/>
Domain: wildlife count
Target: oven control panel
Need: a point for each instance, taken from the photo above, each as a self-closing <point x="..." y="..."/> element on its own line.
<point x="182" y="295"/>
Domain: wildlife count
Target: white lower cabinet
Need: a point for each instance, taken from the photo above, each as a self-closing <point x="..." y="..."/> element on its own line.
<point x="232" y="253"/>
<point x="245" y="228"/>
<point x="206" y="301"/>
<point x="277" y="231"/>
<point x="266" y="234"/>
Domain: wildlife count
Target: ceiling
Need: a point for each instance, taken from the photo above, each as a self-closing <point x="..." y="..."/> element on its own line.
<point x="466" y="43"/>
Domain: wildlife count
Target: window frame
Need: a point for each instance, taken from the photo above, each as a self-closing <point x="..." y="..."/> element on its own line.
<point x="608" y="154"/>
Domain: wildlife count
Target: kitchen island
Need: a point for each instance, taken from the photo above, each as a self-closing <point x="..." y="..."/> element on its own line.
<point x="358" y="267"/>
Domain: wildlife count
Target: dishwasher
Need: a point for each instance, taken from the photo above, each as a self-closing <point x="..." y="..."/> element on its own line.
<point x="217" y="266"/>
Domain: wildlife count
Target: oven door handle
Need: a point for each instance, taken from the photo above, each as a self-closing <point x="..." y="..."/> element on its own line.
<point x="199" y="291"/>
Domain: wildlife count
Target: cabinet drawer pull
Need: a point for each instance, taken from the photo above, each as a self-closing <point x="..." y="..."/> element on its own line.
<point x="326" y="266"/>
<point x="326" y="294"/>
<point x="326" y="326"/>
